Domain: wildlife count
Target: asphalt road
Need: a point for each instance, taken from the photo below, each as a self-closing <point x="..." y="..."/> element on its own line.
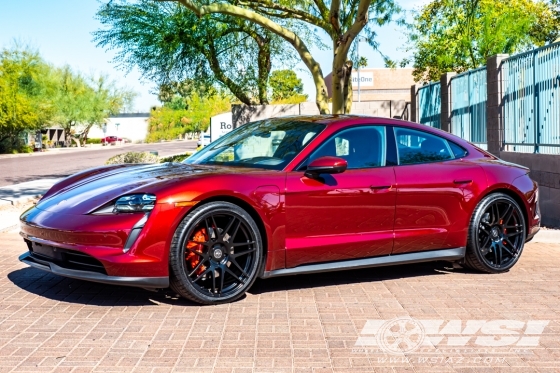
<point x="61" y="163"/>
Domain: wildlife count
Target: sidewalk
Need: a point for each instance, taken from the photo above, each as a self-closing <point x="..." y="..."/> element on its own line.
<point x="65" y="150"/>
<point x="15" y="199"/>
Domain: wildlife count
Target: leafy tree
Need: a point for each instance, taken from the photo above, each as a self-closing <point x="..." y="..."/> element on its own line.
<point x="459" y="35"/>
<point x="341" y="20"/>
<point x="25" y="91"/>
<point x="72" y="100"/>
<point x="180" y="116"/>
<point x="104" y="99"/>
<point x="285" y="84"/>
<point x="168" y="43"/>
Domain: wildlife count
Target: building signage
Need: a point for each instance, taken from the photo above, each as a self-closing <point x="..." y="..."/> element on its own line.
<point x="366" y="79"/>
<point x="220" y="125"/>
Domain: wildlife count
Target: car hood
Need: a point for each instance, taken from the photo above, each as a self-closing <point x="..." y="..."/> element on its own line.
<point x="89" y="193"/>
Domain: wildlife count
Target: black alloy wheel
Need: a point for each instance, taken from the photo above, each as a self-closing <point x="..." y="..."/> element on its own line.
<point x="215" y="254"/>
<point x="496" y="234"/>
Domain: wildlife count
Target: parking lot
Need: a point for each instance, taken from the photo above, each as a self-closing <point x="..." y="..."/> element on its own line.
<point x="295" y="324"/>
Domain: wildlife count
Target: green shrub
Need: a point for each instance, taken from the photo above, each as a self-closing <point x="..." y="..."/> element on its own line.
<point x="93" y="141"/>
<point x="133" y="157"/>
<point x="176" y="158"/>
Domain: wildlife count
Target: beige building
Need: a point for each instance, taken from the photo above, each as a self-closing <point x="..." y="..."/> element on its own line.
<point x="379" y="84"/>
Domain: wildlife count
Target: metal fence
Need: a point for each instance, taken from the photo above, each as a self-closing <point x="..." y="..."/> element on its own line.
<point x="531" y="86"/>
<point x="468" y="106"/>
<point x="429" y="105"/>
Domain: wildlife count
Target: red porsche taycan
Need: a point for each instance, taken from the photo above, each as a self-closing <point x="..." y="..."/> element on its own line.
<point x="286" y="196"/>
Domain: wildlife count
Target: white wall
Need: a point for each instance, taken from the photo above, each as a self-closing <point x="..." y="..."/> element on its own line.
<point x="131" y="126"/>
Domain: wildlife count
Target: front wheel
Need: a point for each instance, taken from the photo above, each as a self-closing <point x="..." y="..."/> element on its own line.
<point x="496" y="234"/>
<point x="215" y="254"/>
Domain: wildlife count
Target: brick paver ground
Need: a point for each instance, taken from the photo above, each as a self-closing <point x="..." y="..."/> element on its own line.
<point x="296" y="324"/>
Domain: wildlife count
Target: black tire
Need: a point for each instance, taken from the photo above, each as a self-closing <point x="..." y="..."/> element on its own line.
<point x="216" y="254"/>
<point x="496" y="234"/>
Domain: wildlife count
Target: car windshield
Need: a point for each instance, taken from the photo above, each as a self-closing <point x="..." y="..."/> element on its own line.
<point x="270" y="144"/>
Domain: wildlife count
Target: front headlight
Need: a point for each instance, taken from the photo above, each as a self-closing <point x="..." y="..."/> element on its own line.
<point x="135" y="203"/>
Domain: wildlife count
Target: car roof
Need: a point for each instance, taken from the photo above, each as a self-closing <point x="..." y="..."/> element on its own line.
<point x="342" y="119"/>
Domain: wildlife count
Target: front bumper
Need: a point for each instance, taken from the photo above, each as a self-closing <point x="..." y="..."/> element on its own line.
<point x="143" y="282"/>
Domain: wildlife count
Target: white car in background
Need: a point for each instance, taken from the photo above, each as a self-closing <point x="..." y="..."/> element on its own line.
<point x="203" y="140"/>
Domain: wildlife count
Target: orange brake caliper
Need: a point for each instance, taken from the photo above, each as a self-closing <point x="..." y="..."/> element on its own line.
<point x="192" y="258"/>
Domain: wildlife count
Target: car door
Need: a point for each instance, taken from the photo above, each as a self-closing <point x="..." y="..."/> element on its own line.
<point x="435" y="192"/>
<point x="342" y="216"/>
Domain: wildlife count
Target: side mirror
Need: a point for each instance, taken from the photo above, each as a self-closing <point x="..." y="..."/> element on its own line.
<point x="326" y="165"/>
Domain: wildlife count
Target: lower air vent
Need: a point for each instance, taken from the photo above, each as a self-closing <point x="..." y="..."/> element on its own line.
<point x="64" y="258"/>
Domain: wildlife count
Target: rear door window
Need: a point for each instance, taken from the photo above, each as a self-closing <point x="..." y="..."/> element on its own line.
<point x="415" y="147"/>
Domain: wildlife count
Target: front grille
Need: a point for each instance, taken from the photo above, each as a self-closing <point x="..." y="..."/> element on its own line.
<point x="64" y="258"/>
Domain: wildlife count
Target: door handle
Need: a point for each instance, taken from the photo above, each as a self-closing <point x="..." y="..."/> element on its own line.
<point x="378" y="187"/>
<point x="462" y="181"/>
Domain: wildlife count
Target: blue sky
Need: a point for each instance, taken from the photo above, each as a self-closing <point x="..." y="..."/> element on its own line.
<point x="61" y="31"/>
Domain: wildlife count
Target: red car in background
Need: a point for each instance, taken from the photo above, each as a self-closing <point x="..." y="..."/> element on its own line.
<point x="111" y="140"/>
<point x="286" y="196"/>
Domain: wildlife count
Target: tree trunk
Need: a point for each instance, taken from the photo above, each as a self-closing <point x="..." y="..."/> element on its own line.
<point x="348" y="93"/>
<point x="342" y="71"/>
<point x="265" y="66"/>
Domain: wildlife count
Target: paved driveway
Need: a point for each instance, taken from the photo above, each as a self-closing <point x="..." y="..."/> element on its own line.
<point x="296" y="324"/>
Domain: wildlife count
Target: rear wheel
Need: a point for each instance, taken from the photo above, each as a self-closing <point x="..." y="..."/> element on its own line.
<point x="496" y="234"/>
<point x="215" y="254"/>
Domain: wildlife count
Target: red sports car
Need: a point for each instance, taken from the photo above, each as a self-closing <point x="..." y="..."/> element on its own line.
<point x="283" y="197"/>
<point x="111" y="140"/>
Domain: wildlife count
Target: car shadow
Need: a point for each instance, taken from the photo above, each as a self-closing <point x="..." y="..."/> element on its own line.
<point x="69" y="290"/>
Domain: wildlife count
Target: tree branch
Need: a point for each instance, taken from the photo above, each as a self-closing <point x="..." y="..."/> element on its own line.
<point x="323" y="10"/>
<point x="359" y="24"/>
<point x="274" y="27"/>
<point x="212" y="58"/>
<point x="265" y="6"/>
<point x="334" y="16"/>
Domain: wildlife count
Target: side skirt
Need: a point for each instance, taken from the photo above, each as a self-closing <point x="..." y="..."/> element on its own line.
<point x="380" y="261"/>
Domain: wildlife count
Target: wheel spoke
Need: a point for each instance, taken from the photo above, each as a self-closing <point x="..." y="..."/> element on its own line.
<point x="238" y="266"/>
<point x="230" y="224"/>
<point x="222" y="276"/>
<point x="508" y="235"/>
<point x="195" y="252"/>
<point x="202" y="274"/>
<point x="495" y="213"/>
<point x="485" y="242"/>
<point x="242" y="253"/>
<point x="208" y="230"/>
<point x="495" y="251"/>
<point x="511" y="244"/>
<point x="217" y="234"/>
<point x="507" y="214"/>
<point x="196" y="268"/>
<point x="213" y="280"/>
<point x="238" y="278"/>
<point x="243" y="243"/>
<point x="232" y="239"/>
<point x="500" y="254"/>
<point x="506" y="249"/>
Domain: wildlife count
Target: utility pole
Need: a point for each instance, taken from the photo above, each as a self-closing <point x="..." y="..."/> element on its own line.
<point x="358" y="40"/>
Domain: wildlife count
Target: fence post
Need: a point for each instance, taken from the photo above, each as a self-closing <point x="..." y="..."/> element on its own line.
<point x="414" y="115"/>
<point x="445" y="113"/>
<point x="494" y="104"/>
